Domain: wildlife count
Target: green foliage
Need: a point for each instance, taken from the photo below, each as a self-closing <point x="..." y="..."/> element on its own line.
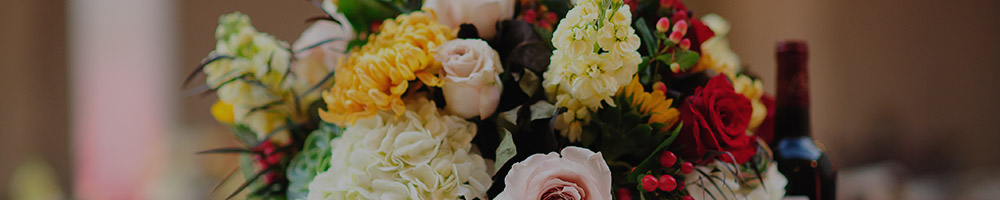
<point x="362" y="13"/>
<point x="687" y="59"/>
<point x="506" y="150"/>
<point x="314" y="158"/>
<point x="646" y="36"/>
<point x="625" y="138"/>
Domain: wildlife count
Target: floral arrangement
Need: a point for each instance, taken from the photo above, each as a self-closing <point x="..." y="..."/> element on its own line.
<point x="494" y="99"/>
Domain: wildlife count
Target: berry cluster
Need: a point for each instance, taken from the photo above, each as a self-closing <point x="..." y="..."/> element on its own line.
<point x="665" y="185"/>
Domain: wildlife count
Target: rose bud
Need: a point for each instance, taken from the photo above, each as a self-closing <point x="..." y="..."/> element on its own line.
<point x="675" y="37"/>
<point x="685" y="44"/>
<point x="687" y="198"/>
<point x="663" y="25"/>
<point x="471" y="77"/>
<point x="675" y="67"/>
<point x="667" y="183"/>
<point x="681" y="26"/>
<point x="649" y="183"/>
<point x="659" y="86"/>
<point x="667" y="158"/>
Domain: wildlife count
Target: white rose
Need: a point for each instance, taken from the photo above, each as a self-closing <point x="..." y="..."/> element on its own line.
<point x="472" y="83"/>
<point x="484" y="14"/>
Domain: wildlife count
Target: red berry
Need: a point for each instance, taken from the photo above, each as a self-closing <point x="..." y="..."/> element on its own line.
<point x="667" y="183"/>
<point x="685" y="44"/>
<point x="667" y="158"/>
<point x="688" y="198"/>
<point x="687" y="167"/>
<point x="663" y="25"/>
<point x="675" y="37"/>
<point x="530" y="16"/>
<point x="624" y="194"/>
<point x="649" y="183"/>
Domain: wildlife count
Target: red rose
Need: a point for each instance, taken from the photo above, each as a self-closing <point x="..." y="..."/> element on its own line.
<point x="698" y="33"/>
<point x="715" y="121"/>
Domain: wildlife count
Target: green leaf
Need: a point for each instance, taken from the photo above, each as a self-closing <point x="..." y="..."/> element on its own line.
<point x="245" y="134"/>
<point x="506" y="150"/>
<point x="362" y="14"/>
<point x="687" y="59"/>
<point x="647" y="36"/>
<point x="646" y="163"/>
<point x="226" y="150"/>
<point x="665" y="58"/>
<point x="642" y="130"/>
<point x="630" y="119"/>
<point x="587" y="137"/>
<point x="529" y="83"/>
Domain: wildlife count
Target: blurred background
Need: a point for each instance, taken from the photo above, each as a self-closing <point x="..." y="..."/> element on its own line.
<point x="904" y="95"/>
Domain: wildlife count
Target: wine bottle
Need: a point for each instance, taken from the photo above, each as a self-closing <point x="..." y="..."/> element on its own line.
<point x="808" y="169"/>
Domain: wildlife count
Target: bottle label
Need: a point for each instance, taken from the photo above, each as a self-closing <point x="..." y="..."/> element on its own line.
<point x="799" y="148"/>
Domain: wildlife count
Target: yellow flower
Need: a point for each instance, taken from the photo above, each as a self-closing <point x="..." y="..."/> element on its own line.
<point x="715" y="52"/>
<point x="223" y="112"/>
<point x="753" y="90"/>
<point x="375" y="76"/>
<point x="654" y="104"/>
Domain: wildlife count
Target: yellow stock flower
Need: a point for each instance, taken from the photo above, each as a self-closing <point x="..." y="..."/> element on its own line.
<point x="375" y="76"/>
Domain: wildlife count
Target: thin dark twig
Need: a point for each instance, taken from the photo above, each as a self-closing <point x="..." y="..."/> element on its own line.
<point x="201" y="66"/>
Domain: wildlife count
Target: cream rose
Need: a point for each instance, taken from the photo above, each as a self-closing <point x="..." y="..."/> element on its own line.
<point x="472" y="83"/>
<point x="484" y="14"/>
<point x="579" y="174"/>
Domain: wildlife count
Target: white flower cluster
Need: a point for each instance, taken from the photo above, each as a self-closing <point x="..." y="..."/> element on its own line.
<point x="422" y="154"/>
<point x="595" y="56"/>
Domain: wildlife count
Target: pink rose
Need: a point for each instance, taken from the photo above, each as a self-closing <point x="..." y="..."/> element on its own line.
<point x="578" y="175"/>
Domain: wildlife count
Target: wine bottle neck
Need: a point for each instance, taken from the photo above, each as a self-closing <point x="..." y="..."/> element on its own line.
<point x="792" y="122"/>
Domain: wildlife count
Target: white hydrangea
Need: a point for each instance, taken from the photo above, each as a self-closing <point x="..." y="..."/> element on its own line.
<point x="594" y="57"/>
<point x="699" y="187"/>
<point x="422" y="154"/>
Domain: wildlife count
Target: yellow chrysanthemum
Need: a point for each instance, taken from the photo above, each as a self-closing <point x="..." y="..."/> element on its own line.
<point x="374" y="77"/>
<point x="753" y="90"/>
<point x="653" y="103"/>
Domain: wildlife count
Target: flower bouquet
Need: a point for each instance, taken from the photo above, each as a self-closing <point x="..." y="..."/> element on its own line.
<point x="494" y="99"/>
